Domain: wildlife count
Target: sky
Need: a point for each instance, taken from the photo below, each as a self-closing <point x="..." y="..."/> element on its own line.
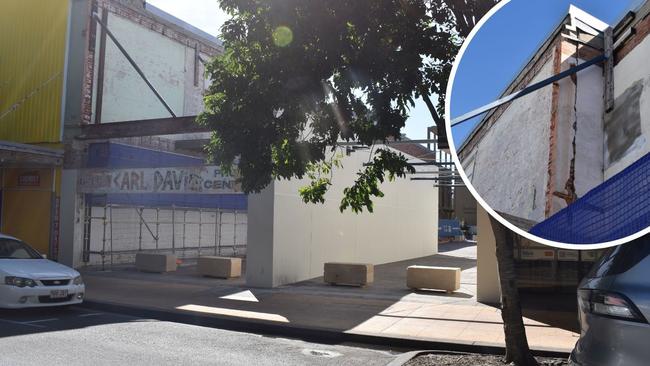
<point x="505" y="43"/>
<point x="491" y="61"/>
<point x="203" y="14"/>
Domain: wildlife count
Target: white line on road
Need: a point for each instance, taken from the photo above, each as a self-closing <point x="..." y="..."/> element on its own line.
<point x="39" y="321"/>
<point x="90" y="314"/>
<point x="19" y="323"/>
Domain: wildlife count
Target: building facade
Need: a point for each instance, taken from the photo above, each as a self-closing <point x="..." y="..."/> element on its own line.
<point x="549" y="156"/>
<point x="101" y="157"/>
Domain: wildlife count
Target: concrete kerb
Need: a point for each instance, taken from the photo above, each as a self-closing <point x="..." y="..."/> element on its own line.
<point x="408" y="356"/>
<point x="316" y="334"/>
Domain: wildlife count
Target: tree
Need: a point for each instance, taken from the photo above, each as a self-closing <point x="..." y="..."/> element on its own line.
<point x="297" y="77"/>
<point x="517" y="350"/>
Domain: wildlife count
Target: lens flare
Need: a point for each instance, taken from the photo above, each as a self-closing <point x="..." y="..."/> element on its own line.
<point x="282" y="36"/>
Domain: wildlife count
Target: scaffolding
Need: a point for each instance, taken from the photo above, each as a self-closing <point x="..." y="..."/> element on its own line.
<point x="115" y="233"/>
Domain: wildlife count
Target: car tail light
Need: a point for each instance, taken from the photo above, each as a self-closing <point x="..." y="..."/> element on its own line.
<point x="609" y="304"/>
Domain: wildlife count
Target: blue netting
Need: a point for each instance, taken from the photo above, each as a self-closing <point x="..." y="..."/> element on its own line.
<point x="615" y="209"/>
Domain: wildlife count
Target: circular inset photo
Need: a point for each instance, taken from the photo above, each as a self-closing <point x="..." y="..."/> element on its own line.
<point x="548" y="107"/>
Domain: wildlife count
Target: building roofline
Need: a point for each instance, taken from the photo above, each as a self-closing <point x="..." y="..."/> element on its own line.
<point x="575" y="17"/>
<point x="183" y="26"/>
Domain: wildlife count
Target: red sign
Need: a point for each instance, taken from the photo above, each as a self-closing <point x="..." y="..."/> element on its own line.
<point x="29" y="179"/>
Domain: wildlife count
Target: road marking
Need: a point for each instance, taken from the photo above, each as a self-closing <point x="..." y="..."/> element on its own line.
<point x="90" y="314"/>
<point x="25" y="324"/>
<point x="39" y="321"/>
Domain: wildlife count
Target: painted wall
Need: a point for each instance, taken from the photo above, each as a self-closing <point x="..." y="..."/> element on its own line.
<point x="28" y="196"/>
<point x="32" y="69"/>
<point x="628" y="126"/>
<point x="586" y="112"/>
<point x="168" y="64"/>
<point x="517" y="147"/>
<point x="464" y="206"/>
<point x="488" y="289"/>
<point x="296" y="239"/>
<point x="510" y="165"/>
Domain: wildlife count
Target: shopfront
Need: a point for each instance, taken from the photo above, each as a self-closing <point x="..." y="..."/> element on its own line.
<point x="30" y="195"/>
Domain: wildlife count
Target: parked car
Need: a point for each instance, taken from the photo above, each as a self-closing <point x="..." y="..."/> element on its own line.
<point x="29" y="280"/>
<point x="614" y="308"/>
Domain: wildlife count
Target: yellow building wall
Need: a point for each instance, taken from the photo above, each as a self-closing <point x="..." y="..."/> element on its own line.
<point x="27" y="199"/>
<point x="33" y="43"/>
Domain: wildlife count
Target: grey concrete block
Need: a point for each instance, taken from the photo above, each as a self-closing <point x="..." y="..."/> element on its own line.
<point x="155" y="262"/>
<point x="221" y="267"/>
<point x="355" y="274"/>
<point x="435" y="278"/>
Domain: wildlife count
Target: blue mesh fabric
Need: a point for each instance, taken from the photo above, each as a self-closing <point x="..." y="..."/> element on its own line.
<point x="615" y="209"/>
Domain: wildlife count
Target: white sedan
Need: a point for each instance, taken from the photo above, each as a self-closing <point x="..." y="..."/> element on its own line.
<point x="29" y="280"/>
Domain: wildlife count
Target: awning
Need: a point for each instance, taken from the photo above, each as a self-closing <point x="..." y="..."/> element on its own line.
<point x="617" y="208"/>
<point x="14" y="154"/>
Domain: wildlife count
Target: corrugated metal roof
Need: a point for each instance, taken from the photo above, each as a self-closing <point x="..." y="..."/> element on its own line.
<point x="33" y="42"/>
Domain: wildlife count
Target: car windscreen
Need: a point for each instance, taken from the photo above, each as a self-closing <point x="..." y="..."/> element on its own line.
<point x="14" y="249"/>
<point x="619" y="259"/>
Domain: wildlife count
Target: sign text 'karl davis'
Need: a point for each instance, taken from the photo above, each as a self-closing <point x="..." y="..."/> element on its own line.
<point x="205" y="180"/>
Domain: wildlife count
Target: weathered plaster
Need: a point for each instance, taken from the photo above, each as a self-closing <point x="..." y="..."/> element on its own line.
<point x="126" y="96"/>
<point x="630" y="71"/>
<point x="586" y="112"/>
<point x="508" y="170"/>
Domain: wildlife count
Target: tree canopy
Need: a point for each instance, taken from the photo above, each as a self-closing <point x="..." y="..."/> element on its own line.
<point x="296" y="77"/>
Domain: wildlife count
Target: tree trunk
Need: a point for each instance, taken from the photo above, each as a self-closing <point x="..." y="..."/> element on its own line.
<point x="517" y="351"/>
<point x="440" y="122"/>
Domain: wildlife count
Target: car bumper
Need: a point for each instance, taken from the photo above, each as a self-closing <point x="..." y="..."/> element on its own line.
<point x="12" y="297"/>
<point x="611" y="342"/>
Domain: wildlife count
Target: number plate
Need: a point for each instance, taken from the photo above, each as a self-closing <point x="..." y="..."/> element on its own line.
<point x="57" y="294"/>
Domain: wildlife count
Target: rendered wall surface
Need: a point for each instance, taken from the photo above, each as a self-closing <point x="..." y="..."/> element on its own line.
<point x="260" y="247"/>
<point x="628" y="126"/>
<point x="512" y="165"/>
<point x="586" y="112"/>
<point x="488" y="289"/>
<point x="126" y="96"/>
<point x="509" y="165"/>
<point x="464" y="206"/>
<point x="32" y="69"/>
<point x="305" y="236"/>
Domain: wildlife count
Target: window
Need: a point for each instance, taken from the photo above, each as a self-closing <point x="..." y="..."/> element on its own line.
<point x="14" y="249"/>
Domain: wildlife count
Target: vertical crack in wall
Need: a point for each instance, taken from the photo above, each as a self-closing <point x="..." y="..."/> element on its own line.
<point x="570" y="185"/>
<point x="550" y="183"/>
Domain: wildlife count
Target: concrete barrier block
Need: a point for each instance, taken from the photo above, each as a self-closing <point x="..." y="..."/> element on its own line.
<point x="221" y="267"/>
<point x="354" y="274"/>
<point x="155" y="262"/>
<point x="435" y="278"/>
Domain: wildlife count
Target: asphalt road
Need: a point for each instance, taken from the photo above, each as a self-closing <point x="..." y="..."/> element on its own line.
<point x="79" y="336"/>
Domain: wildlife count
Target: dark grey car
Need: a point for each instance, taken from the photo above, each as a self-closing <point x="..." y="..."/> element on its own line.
<point x="614" y="308"/>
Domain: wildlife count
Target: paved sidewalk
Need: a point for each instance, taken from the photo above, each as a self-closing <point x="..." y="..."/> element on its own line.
<point x="387" y="308"/>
